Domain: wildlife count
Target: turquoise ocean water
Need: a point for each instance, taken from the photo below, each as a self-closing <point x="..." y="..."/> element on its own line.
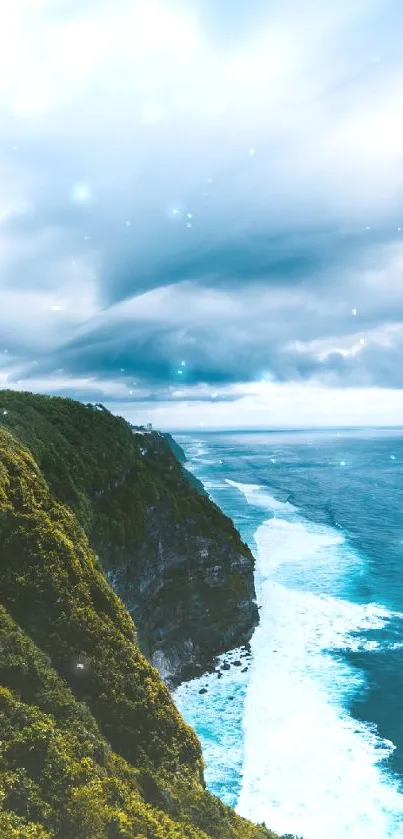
<point x="308" y="736"/>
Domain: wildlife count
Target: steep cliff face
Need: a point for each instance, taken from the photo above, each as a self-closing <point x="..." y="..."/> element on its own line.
<point x="176" y="561"/>
<point x="195" y="596"/>
<point x="92" y="747"/>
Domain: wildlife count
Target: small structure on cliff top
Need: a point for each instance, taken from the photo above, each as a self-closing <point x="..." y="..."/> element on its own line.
<point x="142" y="429"/>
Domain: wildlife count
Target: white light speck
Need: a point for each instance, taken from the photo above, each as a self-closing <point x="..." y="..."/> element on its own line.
<point x="175" y="211"/>
<point x="354" y="311"/>
<point x="367" y="228"/>
<point x="189" y="215"/>
<point x="15" y="148"/>
<point x="183" y="363"/>
<point x="362" y="340"/>
<point x="81" y="193"/>
<point x="272" y="460"/>
<point x="189" y="224"/>
<point x="128" y="223"/>
<point x="80" y="666"/>
<point x="122" y="369"/>
<point x="180" y="372"/>
<point x="342" y="463"/>
<point x="399" y="229"/>
<point x="210" y="181"/>
<point x="392" y="457"/>
<point x="5" y="413"/>
<point x="252" y="152"/>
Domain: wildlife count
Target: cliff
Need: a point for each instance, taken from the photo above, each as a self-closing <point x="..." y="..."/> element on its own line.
<point x="92" y="746"/>
<point x="176" y="561"/>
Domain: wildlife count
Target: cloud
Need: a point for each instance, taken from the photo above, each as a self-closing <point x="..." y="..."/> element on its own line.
<point x="187" y="334"/>
<point x="202" y="182"/>
<point x="275" y="406"/>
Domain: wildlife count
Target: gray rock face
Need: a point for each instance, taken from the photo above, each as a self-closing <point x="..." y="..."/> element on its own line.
<point x="192" y="597"/>
<point x="174" y="558"/>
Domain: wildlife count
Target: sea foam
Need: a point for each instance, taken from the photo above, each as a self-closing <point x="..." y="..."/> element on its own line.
<point x="279" y="741"/>
<point x="217" y="716"/>
<point x="309" y="767"/>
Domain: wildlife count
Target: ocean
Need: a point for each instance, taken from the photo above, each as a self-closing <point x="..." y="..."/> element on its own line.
<point x="309" y="737"/>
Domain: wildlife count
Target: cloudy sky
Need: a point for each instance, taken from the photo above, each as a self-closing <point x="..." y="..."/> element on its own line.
<point x="201" y="208"/>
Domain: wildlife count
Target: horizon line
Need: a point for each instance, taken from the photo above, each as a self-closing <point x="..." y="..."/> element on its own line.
<point x="279" y="428"/>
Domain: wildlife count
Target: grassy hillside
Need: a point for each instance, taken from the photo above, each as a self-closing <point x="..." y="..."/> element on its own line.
<point x="92" y="746"/>
<point x="95" y="465"/>
<point x="175" y="559"/>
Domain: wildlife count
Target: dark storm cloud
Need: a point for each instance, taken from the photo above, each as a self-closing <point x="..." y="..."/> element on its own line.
<point x="186" y="335"/>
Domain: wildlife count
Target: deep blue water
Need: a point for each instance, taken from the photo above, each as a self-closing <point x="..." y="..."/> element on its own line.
<point x="310" y="738"/>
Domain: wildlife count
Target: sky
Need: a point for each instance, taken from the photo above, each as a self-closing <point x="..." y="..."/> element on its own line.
<point x="201" y="209"/>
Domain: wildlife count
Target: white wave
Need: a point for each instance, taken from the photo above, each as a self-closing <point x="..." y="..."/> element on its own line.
<point x="197" y="449"/>
<point x="217" y="718"/>
<point x="198" y="454"/>
<point x="193" y="465"/>
<point x="211" y="484"/>
<point x="259" y="497"/>
<point x="362" y="645"/>
<point x="310" y="768"/>
<point x="280" y="541"/>
<point x="304" y="764"/>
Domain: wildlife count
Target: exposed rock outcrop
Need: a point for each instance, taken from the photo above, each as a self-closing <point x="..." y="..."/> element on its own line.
<point x="195" y="598"/>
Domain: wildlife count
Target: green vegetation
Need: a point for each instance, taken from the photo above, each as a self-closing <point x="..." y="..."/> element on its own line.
<point x="94" y="464"/>
<point x="92" y="747"/>
<point x="60" y="778"/>
<point x="137" y="504"/>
